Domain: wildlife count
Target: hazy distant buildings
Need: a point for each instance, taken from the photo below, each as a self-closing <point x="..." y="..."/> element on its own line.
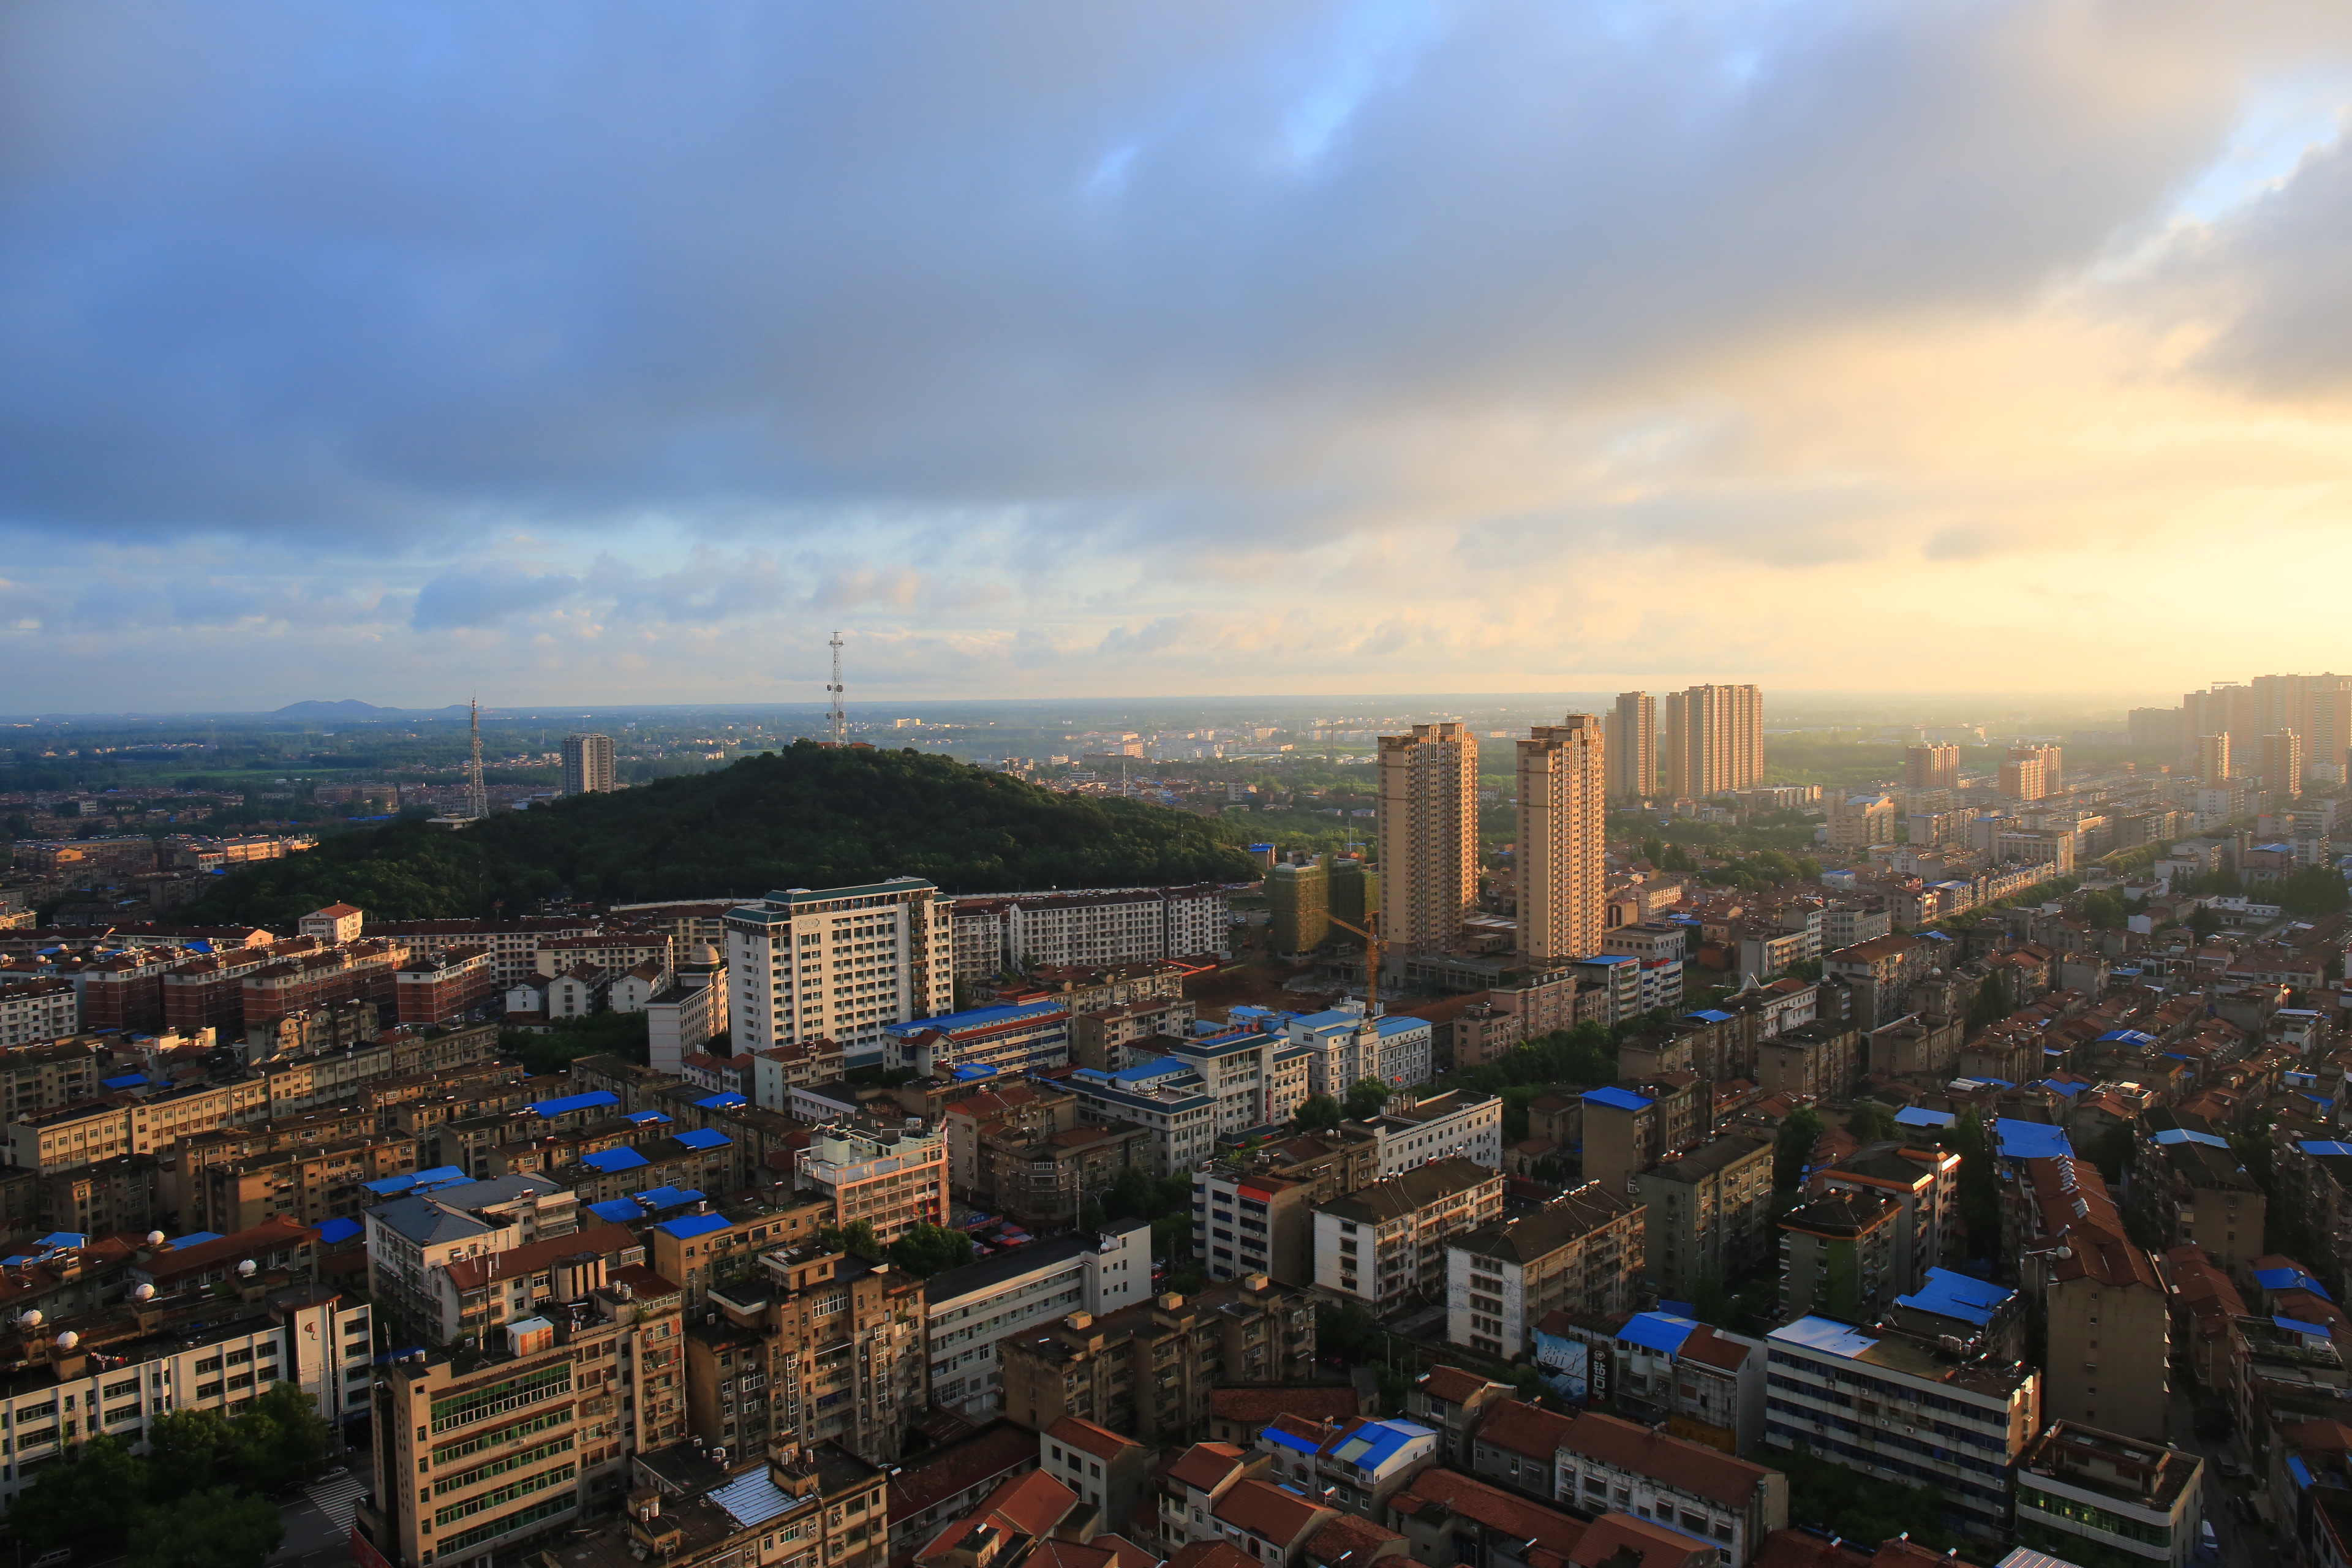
<point x="587" y="764"/>
<point x="2214" y="760"/>
<point x="2279" y="762"/>
<point x="1429" y="835"/>
<point x="1632" y="743"/>
<point x="1711" y="741"/>
<point x="1931" y="767"/>
<point x="1563" y="812"/>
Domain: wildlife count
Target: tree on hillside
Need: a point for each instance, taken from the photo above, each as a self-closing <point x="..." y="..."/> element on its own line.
<point x="1794" y="1146"/>
<point x="1318" y="1112"/>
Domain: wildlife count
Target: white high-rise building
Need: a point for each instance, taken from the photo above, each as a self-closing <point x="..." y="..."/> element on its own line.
<point x="588" y="764"/>
<point x="839" y="964"/>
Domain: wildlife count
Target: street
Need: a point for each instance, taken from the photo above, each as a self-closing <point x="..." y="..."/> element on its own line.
<point x="319" y="1523"/>
<point x="2244" y="1545"/>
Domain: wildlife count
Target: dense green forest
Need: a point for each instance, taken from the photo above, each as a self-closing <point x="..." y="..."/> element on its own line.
<point x="806" y="817"/>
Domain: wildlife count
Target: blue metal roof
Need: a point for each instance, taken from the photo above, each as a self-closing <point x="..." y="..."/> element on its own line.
<point x="2301" y="1472"/>
<point x="2029" y="1139"/>
<point x="667" y="1197"/>
<point x="1615" y="1099"/>
<point x="1950" y="1295"/>
<point x="2069" y="1089"/>
<point x="721" y="1101"/>
<point x="610" y="1160"/>
<point x="705" y="1137"/>
<point x="971" y="1070"/>
<point x="1710" y="1014"/>
<point x="128" y="1080"/>
<point x="57" y="1239"/>
<point x="1657" y="1332"/>
<point x="1373" y="1444"/>
<point x="2172" y="1135"/>
<point x="952" y="1024"/>
<point x="1920" y="1116"/>
<point x="193" y="1236"/>
<point x="1824" y="1334"/>
<point x="592" y="1100"/>
<point x="645" y="1118"/>
<point x="2297" y="1326"/>
<point x="334" y="1230"/>
<point x="2325" y="1146"/>
<point x="686" y="1226"/>
<point x="1290" y="1440"/>
<point x="617" y="1211"/>
<point x="2289" y="1280"/>
<point x="2127" y="1037"/>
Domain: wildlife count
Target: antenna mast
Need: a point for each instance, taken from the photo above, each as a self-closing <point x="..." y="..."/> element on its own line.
<point x="478" y="798"/>
<point x="840" y="719"/>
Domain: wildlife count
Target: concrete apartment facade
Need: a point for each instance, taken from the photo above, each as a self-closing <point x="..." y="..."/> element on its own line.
<point x="1562" y="828"/>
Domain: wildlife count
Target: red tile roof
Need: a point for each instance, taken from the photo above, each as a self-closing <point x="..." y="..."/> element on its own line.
<point x="941" y="1473"/>
<point x="1451" y="1384"/>
<point x="1206" y="1466"/>
<point x="1024" y="1505"/>
<point x="1269" y="1512"/>
<point x="1620" y="1539"/>
<point x="1554" y="1533"/>
<point x="1352" y="1541"/>
<point x="1256" y="1406"/>
<point x="1688" y="1467"/>
<point x="1523" y="1428"/>
<point x="1211" y="1554"/>
<point x="1100" y="1441"/>
<point x="1804" y="1549"/>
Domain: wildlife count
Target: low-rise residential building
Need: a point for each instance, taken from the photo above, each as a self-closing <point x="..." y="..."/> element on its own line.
<point x="1448" y="1517"/>
<point x="1700" y="1382"/>
<point x="1458" y="1123"/>
<point x="1608" y="1465"/>
<point x="892" y="1178"/>
<point x="969" y="1310"/>
<point x="1631" y="1127"/>
<point x="1107" y="1472"/>
<point x="2077" y="1485"/>
<point x="1147" y="1369"/>
<point x="1518" y="1444"/>
<point x="1043" y="1181"/>
<point x="35" y="1011"/>
<point x="1925" y="1185"/>
<point x="1165" y="1097"/>
<point x="1355" y="1463"/>
<point x="1708" y="1213"/>
<point x="114" y="1371"/>
<point x="1009" y="1040"/>
<point x="707" y="1247"/>
<point x="1385" y="1245"/>
<point x="1582" y="1253"/>
<point x="2192" y="1186"/>
<point x="1453" y="1402"/>
<point x="948" y="1480"/>
<point x="1247" y="1222"/>
<point x="1839" y="1257"/>
<point x="1860" y="1399"/>
<point x="779" y="1070"/>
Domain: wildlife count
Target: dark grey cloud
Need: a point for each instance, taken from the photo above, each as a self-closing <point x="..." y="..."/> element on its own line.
<point x="395" y="273"/>
<point x="2278" y="275"/>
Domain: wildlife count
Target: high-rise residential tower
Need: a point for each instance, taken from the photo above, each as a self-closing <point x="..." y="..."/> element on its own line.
<point x="1712" y="741"/>
<point x="2279" y="762"/>
<point x="2214" y="760"/>
<point x="587" y="764"/>
<point x="1429" y="837"/>
<point x="1931" y="767"/>
<point x="2051" y="758"/>
<point x="1563" y="823"/>
<point x="1632" y="743"/>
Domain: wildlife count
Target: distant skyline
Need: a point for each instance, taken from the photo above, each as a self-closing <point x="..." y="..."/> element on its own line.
<point x="591" y="353"/>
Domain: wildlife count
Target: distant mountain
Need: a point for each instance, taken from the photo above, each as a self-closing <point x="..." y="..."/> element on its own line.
<point x="351" y="707"/>
<point x="806" y="817"/>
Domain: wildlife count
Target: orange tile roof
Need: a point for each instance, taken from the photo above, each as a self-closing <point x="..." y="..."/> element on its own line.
<point x="1100" y="1441"/>
<point x="1256" y="1406"/>
<point x="1024" y="1505"/>
<point x="1524" y="1428"/>
<point x="1804" y="1549"/>
<point x="1620" y="1539"/>
<point x="1338" y="1538"/>
<point x="1205" y="1466"/>
<point x="1451" y="1384"/>
<point x="1688" y="1467"/>
<point x="1269" y="1511"/>
<point x="1554" y="1533"/>
<point x="1211" y="1554"/>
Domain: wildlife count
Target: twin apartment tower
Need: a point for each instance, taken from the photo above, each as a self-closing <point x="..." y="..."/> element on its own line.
<point x="1712" y="741"/>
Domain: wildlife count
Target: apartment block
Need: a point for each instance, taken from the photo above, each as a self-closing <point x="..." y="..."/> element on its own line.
<point x="114" y="1372"/>
<point x="1631" y="740"/>
<point x="1428" y="835"/>
<point x="1104" y="926"/>
<point x="1462" y="1123"/>
<point x="1012" y="1040"/>
<point x="1902" y="1409"/>
<point x="1355" y="1462"/>
<point x="839" y="964"/>
<point x="34" y="1011"/>
<point x="1581" y="1253"/>
<point x="446" y="988"/>
<point x="1385" y="1243"/>
<point x="968" y="1311"/>
<point x="1563" y="829"/>
<point x="1165" y="1097"/>
<point x="1247" y="1222"/>
<point x="1839" y="1257"/>
<point x="2079" y="1487"/>
<point x="1925" y="1185"/>
<point x="1148" y="1370"/>
<point x="1608" y="1465"/>
<point x="525" y="1444"/>
<point x="1711" y="741"/>
<point x="1936" y="766"/>
<point x="707" y="1246"/>
<point x="892" y="1178"/>
<point x="1708" y="1213"/>
<point x="817" y="1346"/>
<point x="588" y="764"/>
<point x="1630" y="1127"/>
<point x="1701" y="1384"/>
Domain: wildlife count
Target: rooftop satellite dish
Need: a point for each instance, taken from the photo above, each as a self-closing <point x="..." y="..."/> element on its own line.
<point x="246" y="1270"/>
<point x="154" y="1238"/>
<point x="30" y="1319"/>
<point x="143" y="1293"/>
<point x="68" y="1340"/>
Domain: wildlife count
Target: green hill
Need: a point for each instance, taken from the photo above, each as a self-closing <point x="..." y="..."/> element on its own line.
<point x="806" y="817"/>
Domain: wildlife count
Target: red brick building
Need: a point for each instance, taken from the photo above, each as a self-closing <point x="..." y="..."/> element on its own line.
<point x="444" y="988"/>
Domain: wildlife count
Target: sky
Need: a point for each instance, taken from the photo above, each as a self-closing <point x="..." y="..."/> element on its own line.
<point x="607" y="354"/>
